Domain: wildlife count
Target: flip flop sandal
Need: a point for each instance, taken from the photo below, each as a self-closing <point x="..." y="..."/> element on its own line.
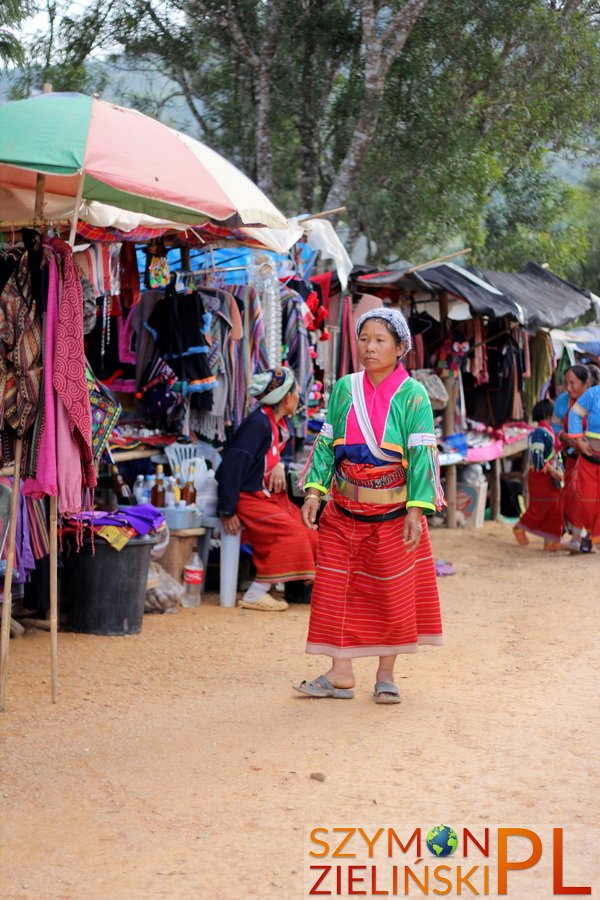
<point x="386" y="692"/>
<point x="520" y="536"/>
<point x="265" y="604"/>
<point x="322" y="687"/>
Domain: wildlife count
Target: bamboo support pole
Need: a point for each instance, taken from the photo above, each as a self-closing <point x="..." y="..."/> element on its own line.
<point x="439" y="259"/>
<point x="10" y="562"/>
<point x="324" y="214"/>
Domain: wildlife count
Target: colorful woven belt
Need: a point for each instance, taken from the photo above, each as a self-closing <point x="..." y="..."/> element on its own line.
<point x="385" y="496"/>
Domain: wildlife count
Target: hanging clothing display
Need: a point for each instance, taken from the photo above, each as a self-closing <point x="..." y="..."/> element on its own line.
<point x="20" y="350"/>
<point x="41" y="331"/>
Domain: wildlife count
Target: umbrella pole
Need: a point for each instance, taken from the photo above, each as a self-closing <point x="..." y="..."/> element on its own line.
<point x="53" y="524"/>
<point x="75" y="217"/>
<point x="10" y="561"/>
<point x="53" y="528"/>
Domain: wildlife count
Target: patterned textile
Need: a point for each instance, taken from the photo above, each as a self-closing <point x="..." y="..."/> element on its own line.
<point x="396" y="417"/>
<point x="69" y="365"/>
<point x="106" y="410"/>
<point x="372" y="596"/>
<point x="271" y="386"/>
<point x="20" y="351"/>
<point x="45" y="476"/>
<point x="252" y="352"/>
<point x="137" y="235"/>
<point x="295" y="338"/>
<point x="282" y="548"/>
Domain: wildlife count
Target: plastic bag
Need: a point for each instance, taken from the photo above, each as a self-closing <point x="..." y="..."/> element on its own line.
<point x="164" y="593"/>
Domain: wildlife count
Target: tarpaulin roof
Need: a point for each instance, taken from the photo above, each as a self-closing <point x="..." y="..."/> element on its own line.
<point x="484" y="299"/>
<point x="547" y="301"/>
<point x="586" y="339"/>
<point x="534" y="297"/>
<point x="370" y="279"/>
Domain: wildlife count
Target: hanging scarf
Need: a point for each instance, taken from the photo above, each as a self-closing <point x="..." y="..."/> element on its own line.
<point x="69" y="376"/>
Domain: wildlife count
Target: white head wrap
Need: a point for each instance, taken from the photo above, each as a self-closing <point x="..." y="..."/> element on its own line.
<point x="395" y="318"/>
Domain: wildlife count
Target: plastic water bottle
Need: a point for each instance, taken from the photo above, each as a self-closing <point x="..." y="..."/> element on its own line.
<point x="139" y="489"/>
<point x="193" y="576"/>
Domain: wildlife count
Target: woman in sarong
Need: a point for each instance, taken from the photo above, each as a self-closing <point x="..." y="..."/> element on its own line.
<point x="583" y="500"/>
<point x="544" y="514"/>
<point x="577" y="380"/>
<point x="375" y="592"/>
<point x="253" y="493"/>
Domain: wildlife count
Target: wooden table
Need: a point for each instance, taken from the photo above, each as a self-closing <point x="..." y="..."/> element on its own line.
<point x="515" y="448"/>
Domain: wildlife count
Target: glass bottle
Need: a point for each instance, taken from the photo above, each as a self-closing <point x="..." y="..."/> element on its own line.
<point x="188" y="492"/>
<point x="121" y="488"/>
<point x="157" y="495"/>
<point x="177" y="485"/>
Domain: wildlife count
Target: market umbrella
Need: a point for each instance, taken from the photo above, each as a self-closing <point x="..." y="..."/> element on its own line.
<point x="93" y="150"/>
<point x="83" y="149"/>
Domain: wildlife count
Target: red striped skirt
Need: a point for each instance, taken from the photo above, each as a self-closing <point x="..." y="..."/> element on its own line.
<point x="544" y="514"/>
<point x="583" y="498"/>
<point x="282" y="548"/>
<point x="372" y="596"/>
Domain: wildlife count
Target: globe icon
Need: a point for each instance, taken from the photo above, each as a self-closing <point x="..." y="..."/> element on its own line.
<point x="442" y="840"/>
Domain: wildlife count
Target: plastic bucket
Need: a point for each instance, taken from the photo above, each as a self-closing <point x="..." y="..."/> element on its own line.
<point x="106" y="591"/>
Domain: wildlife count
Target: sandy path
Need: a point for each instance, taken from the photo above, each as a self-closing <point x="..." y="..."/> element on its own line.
<point x="177" y="763"/>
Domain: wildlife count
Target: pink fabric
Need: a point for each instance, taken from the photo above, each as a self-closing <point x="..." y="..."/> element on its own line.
<point x="69" y="465"/>
<point x="69" y="369"/>
<point x="378" y="400"/>
<point x="126" y="333"/>
<point x="46" y="480"/>
<point x="487" y="453"/>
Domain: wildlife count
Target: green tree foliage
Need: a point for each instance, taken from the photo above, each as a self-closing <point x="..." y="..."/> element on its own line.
<point x="432" y="121"/>
<point x="12" y="14"/>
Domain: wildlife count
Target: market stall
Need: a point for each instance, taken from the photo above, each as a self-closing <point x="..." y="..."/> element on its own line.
<point x="58" y="158"/>
<point x="486" y="335"/>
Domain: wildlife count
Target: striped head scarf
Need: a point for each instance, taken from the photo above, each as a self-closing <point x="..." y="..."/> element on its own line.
<point x="271" y="386"/>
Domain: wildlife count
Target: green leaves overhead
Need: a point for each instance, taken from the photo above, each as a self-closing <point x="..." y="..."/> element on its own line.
<point x="432" y="121"/>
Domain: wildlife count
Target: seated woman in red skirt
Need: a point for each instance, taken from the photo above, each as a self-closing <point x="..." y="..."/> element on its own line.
<point x="544" y="514"/>
<point x="252" y="493"/>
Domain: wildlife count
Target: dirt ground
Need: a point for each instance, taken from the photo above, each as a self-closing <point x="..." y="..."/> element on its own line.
<point x="177" y="763"/>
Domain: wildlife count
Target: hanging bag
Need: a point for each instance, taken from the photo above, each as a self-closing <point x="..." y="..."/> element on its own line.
<point x="106" y="410"/>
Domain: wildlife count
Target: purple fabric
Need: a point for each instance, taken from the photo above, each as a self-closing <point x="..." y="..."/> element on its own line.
<point x="442" y="567"/>
<point x="144" y="518"/>
<point x="24" y="559"/>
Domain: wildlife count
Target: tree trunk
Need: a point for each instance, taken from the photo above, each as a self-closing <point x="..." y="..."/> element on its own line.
<point x="308" y="132"/>
<point x="379" y="51"/>
<point x="264" y="159"/>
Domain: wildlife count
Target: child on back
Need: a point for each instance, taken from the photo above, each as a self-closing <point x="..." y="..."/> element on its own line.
<point x="544" y="513"/>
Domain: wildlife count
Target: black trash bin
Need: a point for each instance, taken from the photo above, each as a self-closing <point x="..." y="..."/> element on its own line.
<point x="105" y="592"/>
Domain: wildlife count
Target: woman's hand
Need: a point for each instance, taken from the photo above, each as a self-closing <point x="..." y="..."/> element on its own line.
<point x="413" y="528"/>
<point x="276" y="483"/>
<point x="231" y="524"/>
<point x="310" y="508"/>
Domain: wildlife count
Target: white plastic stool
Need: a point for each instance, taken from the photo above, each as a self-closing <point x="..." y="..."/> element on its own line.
<point x="230" y="558"/>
